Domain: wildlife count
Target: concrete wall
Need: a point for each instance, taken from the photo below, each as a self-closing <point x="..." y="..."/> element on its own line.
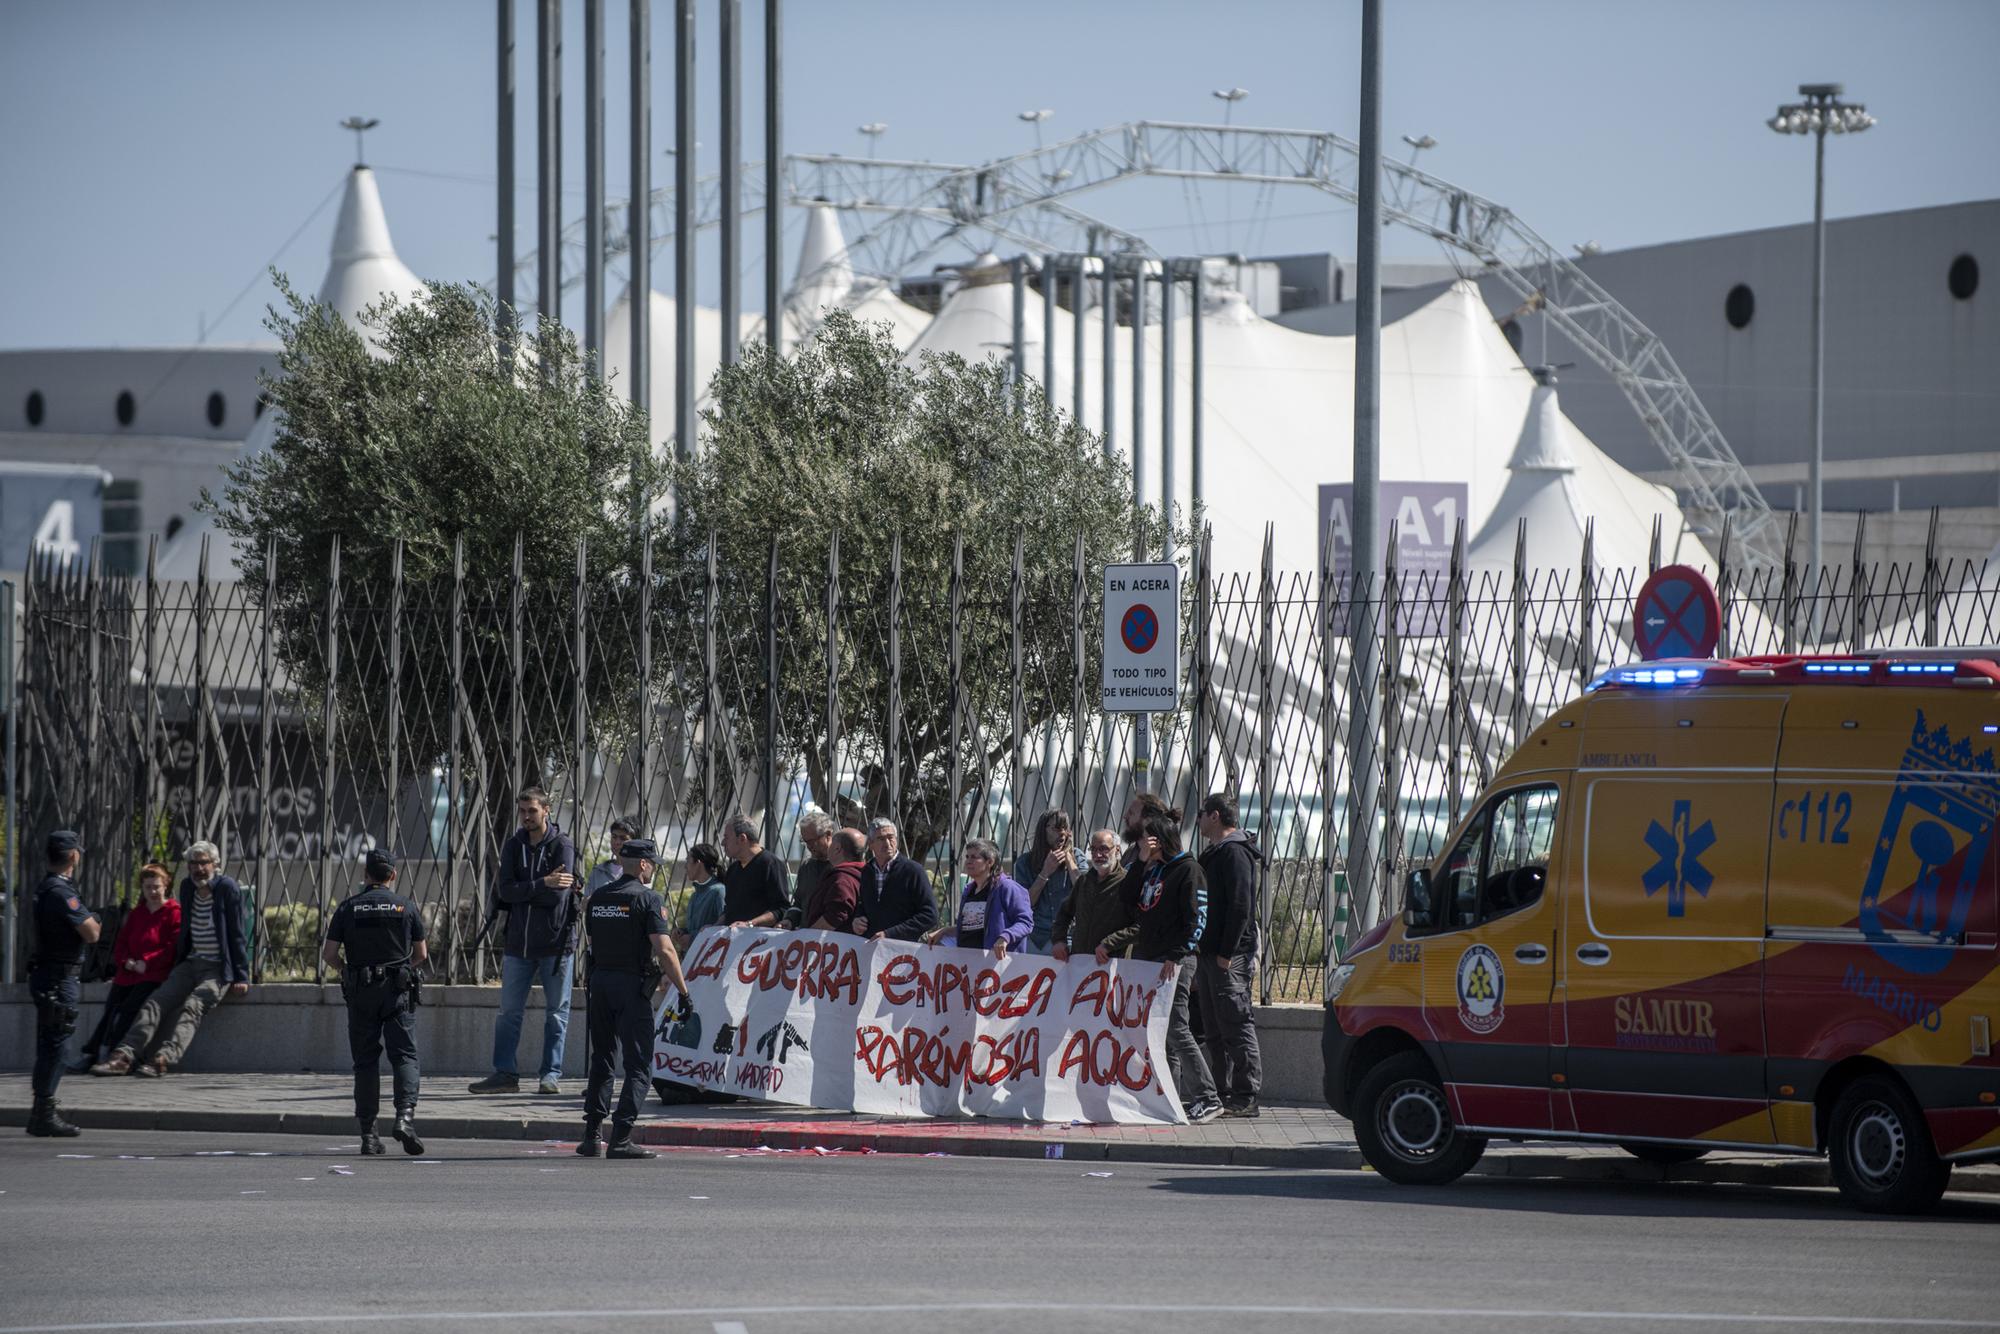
<point x="294" y="1028"/>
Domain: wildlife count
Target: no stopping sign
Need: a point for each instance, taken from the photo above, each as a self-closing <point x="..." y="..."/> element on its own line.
<point x="1141" y="639"/>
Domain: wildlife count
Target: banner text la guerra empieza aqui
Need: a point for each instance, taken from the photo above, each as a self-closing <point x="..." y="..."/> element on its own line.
<point x="819" y="1019"/>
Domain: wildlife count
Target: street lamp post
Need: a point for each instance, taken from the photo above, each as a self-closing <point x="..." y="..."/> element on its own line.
<point x="1819" y="113"/>
<point x="1035" y="118"/>
<point x="871" y="132"/>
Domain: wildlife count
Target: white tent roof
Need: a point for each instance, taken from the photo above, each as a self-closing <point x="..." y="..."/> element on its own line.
<point x="1279" y="417"/>
<point x="1557" y="481"/>
<point x="362" y="269"/>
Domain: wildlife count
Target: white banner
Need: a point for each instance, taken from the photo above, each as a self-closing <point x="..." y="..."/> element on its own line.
<point x="820" y="1019"/>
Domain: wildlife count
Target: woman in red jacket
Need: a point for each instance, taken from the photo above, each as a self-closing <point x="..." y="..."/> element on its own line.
<point x="142" y="956"/>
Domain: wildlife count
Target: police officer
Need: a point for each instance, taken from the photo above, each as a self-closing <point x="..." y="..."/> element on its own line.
<point x="383" y="934"/>
<point x="629" y="950"/>
<point x="64" y="929"/>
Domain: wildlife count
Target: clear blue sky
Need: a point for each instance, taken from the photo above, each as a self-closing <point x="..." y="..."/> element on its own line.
<point x="158" y="155"/>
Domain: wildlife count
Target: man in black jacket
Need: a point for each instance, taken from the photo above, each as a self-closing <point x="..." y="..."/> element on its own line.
<point x="1223" y="960"/>
<point x="896" y="898"/>
<point x="538" y="890"/>
<point x="211" y="960"/>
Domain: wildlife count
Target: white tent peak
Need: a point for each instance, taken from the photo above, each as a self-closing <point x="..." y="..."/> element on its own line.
<point x="1542" y="446"/>
<point x="825" y="274"/>
<point x="362" y="267"/>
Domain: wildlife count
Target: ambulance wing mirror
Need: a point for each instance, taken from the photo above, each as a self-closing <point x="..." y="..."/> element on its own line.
<point x="1418" y="909"/>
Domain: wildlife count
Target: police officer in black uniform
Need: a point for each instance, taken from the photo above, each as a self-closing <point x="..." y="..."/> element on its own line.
<point x="629" y="950"/>
<point x="383" y="934"/>
<point x="64" y="929"/>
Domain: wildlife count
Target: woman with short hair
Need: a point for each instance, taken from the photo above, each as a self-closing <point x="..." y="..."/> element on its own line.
<point x="993" y="909"/>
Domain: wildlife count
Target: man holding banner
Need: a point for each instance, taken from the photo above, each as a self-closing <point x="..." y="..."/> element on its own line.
<point x="629" y="950"/>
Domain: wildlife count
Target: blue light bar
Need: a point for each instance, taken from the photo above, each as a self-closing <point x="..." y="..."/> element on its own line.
<point x="1838" y="668"/>
<point x="1648" y="676"/>
<point x="1933" y="667"/>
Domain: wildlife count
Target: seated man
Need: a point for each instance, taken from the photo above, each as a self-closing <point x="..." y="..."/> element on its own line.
<point x="211" y="959"/>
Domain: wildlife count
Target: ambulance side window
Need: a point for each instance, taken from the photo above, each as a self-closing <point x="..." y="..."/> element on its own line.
<point x="1501" y="863"/>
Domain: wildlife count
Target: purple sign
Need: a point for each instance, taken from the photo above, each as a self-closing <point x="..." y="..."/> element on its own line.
<point x="1426" y="516"/>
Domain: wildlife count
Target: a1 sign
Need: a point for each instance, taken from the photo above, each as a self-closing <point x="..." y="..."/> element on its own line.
<point x="1142" y="646"/>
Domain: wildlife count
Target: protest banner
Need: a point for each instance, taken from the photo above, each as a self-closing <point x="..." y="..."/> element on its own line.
<point x="819" y="1019"/>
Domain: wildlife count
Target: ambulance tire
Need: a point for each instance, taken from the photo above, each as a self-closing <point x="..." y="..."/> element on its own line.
<point x="1662" y="1155"/>
<point x="1402" y="1121"/>
<point x="1881" y="1151"/>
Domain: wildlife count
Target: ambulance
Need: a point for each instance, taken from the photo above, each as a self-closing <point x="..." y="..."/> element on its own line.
<point x="1746" y="904"/>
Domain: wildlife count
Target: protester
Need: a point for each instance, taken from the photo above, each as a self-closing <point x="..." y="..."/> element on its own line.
<point x="754" y="886"/>
<point x="993" y="910"/>
<point x="211" y="960"/>
<point x="1048" y="868"/>
<point x="608" y="870"/>
<point x="897" y="902"/>
<point x="1100" y="917"/>
<point x="704" y="906"/>
<point x="1143" y="804"/>
<point x="839" y="889"/>
<point x="816" y="834"/>
<point x="1173" y="913"/>
<point x="141" y="958"/>
<point x="537" y="888"/>
<point x="1222" y="963"/>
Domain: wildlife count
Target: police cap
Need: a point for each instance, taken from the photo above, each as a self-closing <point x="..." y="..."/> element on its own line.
<point x="380" y="862"/>
<point x="63" y="842"/>
<point x="640" y="848"/>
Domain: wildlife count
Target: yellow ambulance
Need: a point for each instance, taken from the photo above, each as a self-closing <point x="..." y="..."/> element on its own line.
<point x="1749" y="904"/>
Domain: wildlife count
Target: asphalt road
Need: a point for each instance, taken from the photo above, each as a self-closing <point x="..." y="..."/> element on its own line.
<point x="482" y="1236"/>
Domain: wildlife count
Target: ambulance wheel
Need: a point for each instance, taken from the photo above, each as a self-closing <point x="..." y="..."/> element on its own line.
<point x="1881" y="1149"/>
<point x="1662" y="1155"/>
<point x="1402" y="1121"/>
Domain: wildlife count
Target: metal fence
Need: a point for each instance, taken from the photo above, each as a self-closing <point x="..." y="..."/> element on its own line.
<point x="409" y="713"/>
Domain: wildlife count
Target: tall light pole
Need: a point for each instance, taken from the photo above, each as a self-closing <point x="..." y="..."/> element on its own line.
<point x="870" y="132"/>
<point x="1418" y="143"/>
<point x="1035" y="118"/>
<point x="1229" y="97"/>
<point x="1822" y="112"/>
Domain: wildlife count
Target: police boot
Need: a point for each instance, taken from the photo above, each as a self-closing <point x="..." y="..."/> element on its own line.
<point x="592" y="1143"/>
<point x="371" y="1143"/>
<point x="406" y="1131"/>
<point x="623" y="1147"/>
<point x="46" y="1121"/>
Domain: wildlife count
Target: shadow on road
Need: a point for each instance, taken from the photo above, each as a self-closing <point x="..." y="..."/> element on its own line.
<point x="1611" y="1199"/>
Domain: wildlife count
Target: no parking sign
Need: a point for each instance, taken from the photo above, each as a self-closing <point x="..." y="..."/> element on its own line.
<point x="1141" y="639"/>
<point x="1676" y="615"/>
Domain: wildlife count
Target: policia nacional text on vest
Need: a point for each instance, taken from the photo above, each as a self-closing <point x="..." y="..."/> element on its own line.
<point x="64" y="930"/>
<point x="382" y="935"/>
<point x="629" y="951"/>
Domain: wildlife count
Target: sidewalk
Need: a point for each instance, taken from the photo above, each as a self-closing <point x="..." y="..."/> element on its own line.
<point x="1284" y="1136"/>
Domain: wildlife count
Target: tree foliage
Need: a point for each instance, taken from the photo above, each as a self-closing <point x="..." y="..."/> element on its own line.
<point x="847" y="436"/>
<point x="434" y="438"/>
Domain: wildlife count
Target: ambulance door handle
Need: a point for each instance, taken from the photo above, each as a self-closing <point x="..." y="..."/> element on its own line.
<point x="1531" y="953"/>
<point x="1593" y="954"/>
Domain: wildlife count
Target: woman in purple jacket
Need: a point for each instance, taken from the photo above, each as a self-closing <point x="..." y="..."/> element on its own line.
<point x="993" y="911"/>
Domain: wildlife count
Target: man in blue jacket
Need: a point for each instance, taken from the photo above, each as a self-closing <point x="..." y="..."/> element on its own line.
<point x="538" y="890"/>
<point x="211" y="960"/>
<point x="1224" y="958"/>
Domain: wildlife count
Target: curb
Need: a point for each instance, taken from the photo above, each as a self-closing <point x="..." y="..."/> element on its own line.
<point x="1547" y="1164"/>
